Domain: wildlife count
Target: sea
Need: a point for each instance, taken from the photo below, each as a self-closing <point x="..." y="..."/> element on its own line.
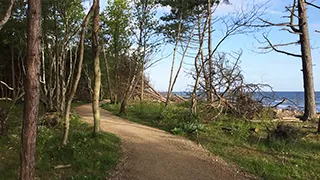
<point x="293" y="99"/>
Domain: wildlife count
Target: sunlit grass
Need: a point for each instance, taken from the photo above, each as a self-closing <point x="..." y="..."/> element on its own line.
<point x="252" y="152"/>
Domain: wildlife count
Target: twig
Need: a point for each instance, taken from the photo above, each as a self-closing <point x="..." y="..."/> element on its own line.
<point x="10" y="88"/>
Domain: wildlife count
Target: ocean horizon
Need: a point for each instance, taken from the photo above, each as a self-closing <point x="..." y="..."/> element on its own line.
<point x="294" y="99"/>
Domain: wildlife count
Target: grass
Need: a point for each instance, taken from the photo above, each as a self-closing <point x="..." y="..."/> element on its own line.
<point x="90" y="157"/>
<point x="252" y="152"/>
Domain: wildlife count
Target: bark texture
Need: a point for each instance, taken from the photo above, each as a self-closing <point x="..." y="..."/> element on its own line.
<point x="310" y="105"/>
<point x="97" y="73"/>
<point x="31" y="105"/>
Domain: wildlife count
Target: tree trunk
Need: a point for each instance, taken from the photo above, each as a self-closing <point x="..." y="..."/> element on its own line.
<point x="142" y="38"/>
<point x="123" y="106"/>
<point x="108" y="75"/>
<point x="128" y="93"/>
<point x="31" y="104"/>
<point x="74" y="86"/>
<point x="97" y="73"/>
<point x="198" y="70"/>
<point x="211" y="73"/>
<point x="309" y="97"/>
<point x="13" y="75"/>
<point x="173" y="60"/>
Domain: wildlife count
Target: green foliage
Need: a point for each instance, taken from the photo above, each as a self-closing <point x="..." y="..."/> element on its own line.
<point x="116" y="25"/>
<point x="90" y="157"/>
<point x="187" y="10"/>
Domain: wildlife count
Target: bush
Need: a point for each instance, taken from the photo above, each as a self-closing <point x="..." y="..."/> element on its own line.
<point x="178" y="120"/>
<point x="285" y="132"/>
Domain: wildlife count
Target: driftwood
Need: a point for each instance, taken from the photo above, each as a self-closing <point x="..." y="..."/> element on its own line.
<point x="149" y="91"/>
<point x="155" y="96"/>
<point x="155" y="91"/>
<point x="62" y="166"/>
<point x="253" y="130"/>
<point x="180" y="98"/>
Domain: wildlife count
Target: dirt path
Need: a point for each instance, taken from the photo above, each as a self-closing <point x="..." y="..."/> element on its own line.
<point x="152" y="154"/>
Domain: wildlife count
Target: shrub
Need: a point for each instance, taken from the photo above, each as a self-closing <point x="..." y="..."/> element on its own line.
<point x="285" y="132"/>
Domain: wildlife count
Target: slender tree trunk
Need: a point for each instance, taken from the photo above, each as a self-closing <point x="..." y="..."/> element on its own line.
<point x="142" y="84"/>
<point x="211" y="73"/>
<point x="63" y="82"/>
<point x="128" y="93"/>
<point x="74" y="86"/>
<point x="58" y="64"/>
<point x="173" y="60"/>
<point x="142" y="38"/>
<point x="198" y="70"/>
<point x="309" y="98"/>
<point x="13" y="75"/>
<point x="31" y="105"/>
<point x="108" y="75"/>
<point x="116" y="69"/>
<point x="97" y="73"/>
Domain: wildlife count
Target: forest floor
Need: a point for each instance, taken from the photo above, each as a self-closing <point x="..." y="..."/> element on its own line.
<point x="151" y="153"/>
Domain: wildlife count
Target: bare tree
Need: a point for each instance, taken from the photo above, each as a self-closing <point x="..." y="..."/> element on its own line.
<point x="31" y="105"/>
<point x="214" y="77"/>
<point x="298" y="10"/>
<point x="97" y="73"/>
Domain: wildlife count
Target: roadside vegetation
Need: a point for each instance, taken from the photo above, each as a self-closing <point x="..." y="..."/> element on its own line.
<point x="86" y="156"/>
<point x="267" y="149"/>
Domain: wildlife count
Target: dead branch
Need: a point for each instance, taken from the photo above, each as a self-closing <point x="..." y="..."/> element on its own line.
<point x="10" y="88"/>
<point x="280" y="45"/>
<point x="313" y="5"/>
<point x="283" y="100"/>
<point x="270" y="24"/>
<point x="280" y="51"/>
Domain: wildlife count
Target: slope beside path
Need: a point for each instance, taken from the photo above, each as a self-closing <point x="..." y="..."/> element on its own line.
<point x="153" y="154"/>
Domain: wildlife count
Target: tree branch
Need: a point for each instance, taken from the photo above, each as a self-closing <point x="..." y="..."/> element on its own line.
<point x="10" y="88"/>
<point x="313" y="5"/>
<point x="7" y="14"/>
<point x="292" y="15"/>
<point x="280" y="51"/>
<point x="280" y="45"/>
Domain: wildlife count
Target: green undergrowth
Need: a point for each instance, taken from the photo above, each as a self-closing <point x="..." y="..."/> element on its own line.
<point x="234" y="139"/>
<point x="90" y="156"/>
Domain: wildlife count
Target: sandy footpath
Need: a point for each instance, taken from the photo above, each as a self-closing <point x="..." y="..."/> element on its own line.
<point x="152" y="154"/>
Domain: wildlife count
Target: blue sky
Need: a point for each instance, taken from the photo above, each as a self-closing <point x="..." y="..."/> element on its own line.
<point x="280" y="71"/>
